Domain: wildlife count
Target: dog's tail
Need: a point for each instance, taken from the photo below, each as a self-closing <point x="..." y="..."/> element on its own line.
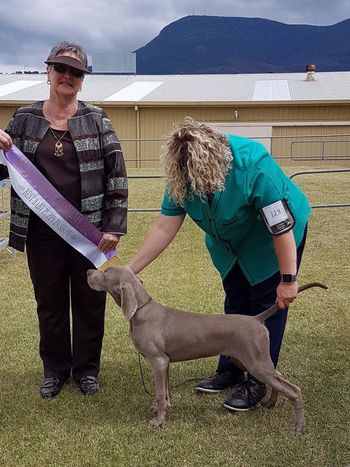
<point x="270" y="311"/>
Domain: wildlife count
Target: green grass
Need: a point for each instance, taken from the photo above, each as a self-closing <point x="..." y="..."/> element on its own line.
<point x="111" y="428"/>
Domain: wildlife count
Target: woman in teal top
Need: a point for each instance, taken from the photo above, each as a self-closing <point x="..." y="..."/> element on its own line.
<point x="254" y="218"/>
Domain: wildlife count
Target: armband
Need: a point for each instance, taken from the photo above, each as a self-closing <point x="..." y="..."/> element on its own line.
<point x="278" y="217"/>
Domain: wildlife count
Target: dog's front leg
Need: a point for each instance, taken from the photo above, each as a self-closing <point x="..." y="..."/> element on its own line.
<point x="167" y="386"/>
<point x="159" y="369"/>
<point x="154" y="406"/>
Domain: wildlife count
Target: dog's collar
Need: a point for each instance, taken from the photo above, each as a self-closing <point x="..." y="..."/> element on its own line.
<point x="140" y="307"/>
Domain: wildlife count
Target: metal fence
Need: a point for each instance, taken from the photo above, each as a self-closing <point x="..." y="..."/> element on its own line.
<point x="5" y="185"/>
<point x="287" y="150"/>
<point x="305" y="172"/>
<point x="333" y="171"/>
<point x="5" y="214"/>
<point x="321" y="149"/>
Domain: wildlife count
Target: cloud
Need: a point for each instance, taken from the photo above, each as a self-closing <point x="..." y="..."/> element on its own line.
<point x="28" y="31"/>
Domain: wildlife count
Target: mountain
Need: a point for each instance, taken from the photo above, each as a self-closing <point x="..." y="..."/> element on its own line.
<point x="214" y="44"/>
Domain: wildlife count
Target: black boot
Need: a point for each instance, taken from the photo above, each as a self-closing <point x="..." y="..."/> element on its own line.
<point x="88" y="385"/>
<point x="51" y="387"/>
<point x="219" y="382"/>
<point x="246" y="395"/>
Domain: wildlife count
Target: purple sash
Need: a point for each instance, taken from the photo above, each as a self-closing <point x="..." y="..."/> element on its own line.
<point x="48" y="204"/>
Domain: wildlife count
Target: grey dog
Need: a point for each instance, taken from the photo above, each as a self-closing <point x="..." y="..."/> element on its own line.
<point x="163" y="335"/>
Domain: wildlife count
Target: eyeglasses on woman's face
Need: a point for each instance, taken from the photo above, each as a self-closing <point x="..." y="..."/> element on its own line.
<point x="60" y="68"/>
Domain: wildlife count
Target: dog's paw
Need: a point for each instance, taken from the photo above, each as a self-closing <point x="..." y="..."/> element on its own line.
<point x="296" y="430"/>
<point x="271" y="401"/>
<point x="157" y="422"/>
<point x="269" y="404"/>
<point x="154" y="410"/>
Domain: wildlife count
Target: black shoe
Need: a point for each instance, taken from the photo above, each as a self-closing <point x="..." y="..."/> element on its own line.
<point x="88" y="385"/>
<point x="51" y="387"/>
<point x="246" y="395"/>
<point x="219" y="382"/>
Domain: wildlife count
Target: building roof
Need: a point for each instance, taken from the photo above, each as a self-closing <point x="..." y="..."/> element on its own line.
<point x="188" y="89"/>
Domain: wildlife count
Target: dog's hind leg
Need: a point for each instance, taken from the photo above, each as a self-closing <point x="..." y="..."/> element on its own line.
<point x="271" y="402"/>
<point x="294" y="394"/>
<point x="291" y="391"/>
<point x="159" y="369"/>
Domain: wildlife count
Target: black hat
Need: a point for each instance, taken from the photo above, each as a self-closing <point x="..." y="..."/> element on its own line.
<point x="69" y="61"/>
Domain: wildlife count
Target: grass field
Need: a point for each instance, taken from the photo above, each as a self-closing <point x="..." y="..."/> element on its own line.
<point x="111" y="428"/>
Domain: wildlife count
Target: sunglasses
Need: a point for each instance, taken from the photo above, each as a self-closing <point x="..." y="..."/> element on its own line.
<point x="59" y="68"/>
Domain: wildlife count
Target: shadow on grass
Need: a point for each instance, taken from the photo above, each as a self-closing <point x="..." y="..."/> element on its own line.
<point x="121" y="402"/>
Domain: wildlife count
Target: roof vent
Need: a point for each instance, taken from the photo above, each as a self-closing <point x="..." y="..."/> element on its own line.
<point x="310" y="72"/>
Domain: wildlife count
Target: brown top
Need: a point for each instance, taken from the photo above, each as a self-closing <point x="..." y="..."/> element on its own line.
<point x="62" y="172"/>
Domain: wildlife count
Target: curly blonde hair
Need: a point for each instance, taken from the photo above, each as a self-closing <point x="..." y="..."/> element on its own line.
<point x="195" y="160"/>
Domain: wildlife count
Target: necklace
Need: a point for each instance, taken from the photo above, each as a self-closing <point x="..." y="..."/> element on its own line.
<point x="58" y="152"/>
<point x="58" y="124"/>
<point x="64" y="120"/>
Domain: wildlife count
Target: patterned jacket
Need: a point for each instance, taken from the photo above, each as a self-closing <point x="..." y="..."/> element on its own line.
<point x="103" y="178"/>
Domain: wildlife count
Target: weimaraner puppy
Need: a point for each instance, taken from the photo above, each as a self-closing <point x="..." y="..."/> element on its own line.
<point x="164" y="335"/>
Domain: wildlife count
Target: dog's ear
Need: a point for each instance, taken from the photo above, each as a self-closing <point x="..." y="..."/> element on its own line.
<point x="128" y="300"/>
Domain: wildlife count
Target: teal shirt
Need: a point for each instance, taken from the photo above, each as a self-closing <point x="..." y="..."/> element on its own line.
<point x="234" y="229"/>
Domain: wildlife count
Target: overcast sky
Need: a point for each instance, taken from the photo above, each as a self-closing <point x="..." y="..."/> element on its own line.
<point x="29" y="28"/>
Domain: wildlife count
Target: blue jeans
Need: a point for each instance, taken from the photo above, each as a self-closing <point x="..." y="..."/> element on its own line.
<point x="243" y="298"/>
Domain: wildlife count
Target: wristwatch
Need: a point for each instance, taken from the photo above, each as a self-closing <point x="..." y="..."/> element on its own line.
<point x="288" y="278"/>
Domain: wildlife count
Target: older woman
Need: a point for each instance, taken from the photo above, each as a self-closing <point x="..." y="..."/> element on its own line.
<point x="74" y="145"/>
<point x="254" y="218"/>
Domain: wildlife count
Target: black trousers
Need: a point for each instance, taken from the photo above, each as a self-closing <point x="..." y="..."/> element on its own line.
<point x="58" y="274"/>
<point x="242" y="298"/>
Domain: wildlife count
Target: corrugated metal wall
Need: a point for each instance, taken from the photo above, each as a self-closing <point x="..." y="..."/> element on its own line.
<point x="141" y="129"/>
<point x="6" y="113"/>
<point x="291" y="113"/>
<point x="152" y="124"/>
